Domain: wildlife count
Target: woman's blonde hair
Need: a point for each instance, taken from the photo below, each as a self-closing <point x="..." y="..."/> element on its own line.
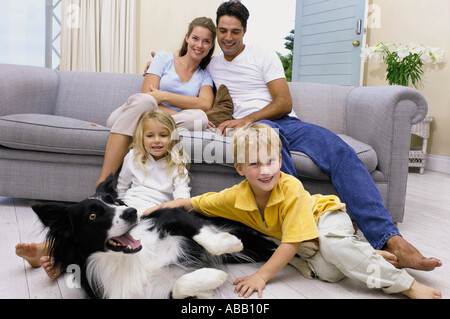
<point x="253" y="138"/>
<point x="176" y="156"/>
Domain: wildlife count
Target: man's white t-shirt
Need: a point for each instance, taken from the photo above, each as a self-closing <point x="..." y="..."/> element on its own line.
<point x="246" y="78"/>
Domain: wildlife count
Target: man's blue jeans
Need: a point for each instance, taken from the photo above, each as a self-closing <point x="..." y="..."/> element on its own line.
<point x="340" y="163"/>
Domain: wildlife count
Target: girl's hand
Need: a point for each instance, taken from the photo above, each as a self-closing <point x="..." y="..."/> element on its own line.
<point x="245" y="286"/>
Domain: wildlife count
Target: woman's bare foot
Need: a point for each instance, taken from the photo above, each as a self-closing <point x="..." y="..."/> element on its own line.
<point x="47" y="264"/>
<point x="95" y="124"/>
<point x="410" y="257"/>
<point x="421" y="291"/>
<point x="391" y="258"/>
<point x="32" y="253"/>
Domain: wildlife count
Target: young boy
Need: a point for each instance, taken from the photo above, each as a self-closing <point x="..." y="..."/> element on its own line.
<point x="277" y="205"/>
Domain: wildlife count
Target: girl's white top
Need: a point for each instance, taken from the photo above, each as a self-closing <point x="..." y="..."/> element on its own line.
<point x="153" y="184"/>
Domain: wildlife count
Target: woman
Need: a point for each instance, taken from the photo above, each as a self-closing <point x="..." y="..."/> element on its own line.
<point x="179" y="86"/>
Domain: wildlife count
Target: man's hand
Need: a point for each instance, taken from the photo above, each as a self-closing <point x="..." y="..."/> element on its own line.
<point x="148" y="63"/>
<point x="227" y="126"/>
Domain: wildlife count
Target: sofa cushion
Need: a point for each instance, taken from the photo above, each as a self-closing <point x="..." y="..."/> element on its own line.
<point x="50" y="133"/>
<point x="56" y="134"/>
<point x="207" y="147"/>
<point x="307" y="168"/>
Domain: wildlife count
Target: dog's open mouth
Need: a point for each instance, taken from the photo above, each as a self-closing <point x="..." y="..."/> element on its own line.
<point x="125" y="243"/>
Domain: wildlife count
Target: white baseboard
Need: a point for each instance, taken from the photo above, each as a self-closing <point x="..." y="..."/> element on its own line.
<point x="438" y="163"/>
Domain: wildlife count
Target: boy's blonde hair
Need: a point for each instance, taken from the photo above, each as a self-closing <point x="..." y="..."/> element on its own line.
<point x="252" y="139"/>
<point x="176" y="156"/>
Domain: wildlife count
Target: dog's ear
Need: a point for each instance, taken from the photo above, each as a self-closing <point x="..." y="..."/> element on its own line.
<point x="60" y="237"/>
<point x="52" y="214"/>
<point x="108" y="186"/>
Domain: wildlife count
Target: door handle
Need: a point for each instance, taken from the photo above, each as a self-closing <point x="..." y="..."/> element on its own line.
<point x="358" y="26"/>
<point x="356" y="43"/>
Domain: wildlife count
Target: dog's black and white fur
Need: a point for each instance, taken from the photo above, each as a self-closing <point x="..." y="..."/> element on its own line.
<point x="170" y="253"/>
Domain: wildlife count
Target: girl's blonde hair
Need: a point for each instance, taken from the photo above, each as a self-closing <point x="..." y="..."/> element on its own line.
<point x="176" y="156"/>
<point x="253" y="138"/>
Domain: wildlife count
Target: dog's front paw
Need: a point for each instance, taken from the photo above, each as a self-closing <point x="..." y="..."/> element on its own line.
<point x="302" y="266"/>
<point x="227" y="243"/>
<point x="308" y="249"/>
<point x="218" y="243"/>
<point x="199" y="283"/>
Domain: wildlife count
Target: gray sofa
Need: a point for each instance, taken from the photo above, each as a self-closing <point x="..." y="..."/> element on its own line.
<point x="48" y="150"/>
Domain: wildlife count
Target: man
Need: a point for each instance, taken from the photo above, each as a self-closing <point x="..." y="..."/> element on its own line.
<point x="257" y="85"/>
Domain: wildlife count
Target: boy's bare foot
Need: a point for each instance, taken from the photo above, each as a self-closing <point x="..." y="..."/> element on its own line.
<point x="47" y="264"/>
<point x="30" y="252"/>
<point x="410" y="257"/>
<point x="391" y="258"/>
<point x="421" y="291"/>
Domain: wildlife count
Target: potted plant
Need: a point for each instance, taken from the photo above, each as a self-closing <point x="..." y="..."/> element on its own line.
<point x="403" y="62"/>
<point x="404" y="66"/>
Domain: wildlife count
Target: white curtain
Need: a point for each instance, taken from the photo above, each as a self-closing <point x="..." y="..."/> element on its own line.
<point x="99" y="36"/>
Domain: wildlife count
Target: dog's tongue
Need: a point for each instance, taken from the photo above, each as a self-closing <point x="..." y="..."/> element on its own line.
<point x="128" y="240"/>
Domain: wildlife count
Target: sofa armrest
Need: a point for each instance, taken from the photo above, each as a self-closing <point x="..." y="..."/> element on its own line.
<point x="27" y="89"/>
<point x="382" y="117"/>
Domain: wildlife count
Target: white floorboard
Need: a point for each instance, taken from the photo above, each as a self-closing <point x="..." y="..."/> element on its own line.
<point x="426" y="225"/>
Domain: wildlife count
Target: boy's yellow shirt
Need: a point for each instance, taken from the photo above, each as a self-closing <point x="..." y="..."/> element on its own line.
<point x="291" y="214"/>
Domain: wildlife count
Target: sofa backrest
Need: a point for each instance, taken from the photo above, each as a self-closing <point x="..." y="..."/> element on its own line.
<point x="27" y="89"/>
<point x="92" y="96"/>
<point x="321" y="104"/>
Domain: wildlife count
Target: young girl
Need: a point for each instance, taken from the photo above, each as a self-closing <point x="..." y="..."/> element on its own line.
<point x="154" y="172"/>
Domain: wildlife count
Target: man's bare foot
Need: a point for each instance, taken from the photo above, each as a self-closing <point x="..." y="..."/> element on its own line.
<point x="391" y="258"/>
<point x="421" y="291"/>
<point x="410" y="257"/>
<point x="47" y="264"/>
<point x="31" y="253"/>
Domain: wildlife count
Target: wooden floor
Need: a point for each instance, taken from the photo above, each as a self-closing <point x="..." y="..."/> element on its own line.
<point x="426" y="225"/>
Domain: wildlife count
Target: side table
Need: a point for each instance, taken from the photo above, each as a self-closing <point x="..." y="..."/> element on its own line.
<point x="418" y="157"/>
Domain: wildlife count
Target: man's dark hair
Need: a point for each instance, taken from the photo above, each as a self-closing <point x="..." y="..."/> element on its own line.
<point x="235" y="9"/>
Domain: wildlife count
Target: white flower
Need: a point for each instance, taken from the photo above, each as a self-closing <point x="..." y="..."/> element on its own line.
<point x="366" y="53"/>
<point x="379" y="47"/>
<point x="402" y="52"/>
<point x="377" y="51"/>
<point x="436" y="55"/>
<point x="427" y="53"/>
<point x="416" y="49"/>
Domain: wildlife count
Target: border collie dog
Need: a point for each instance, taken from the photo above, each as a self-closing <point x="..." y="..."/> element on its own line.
<point x="169" y="254"/>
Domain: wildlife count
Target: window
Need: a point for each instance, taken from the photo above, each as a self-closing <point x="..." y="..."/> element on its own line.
<point x="30" y="32"/>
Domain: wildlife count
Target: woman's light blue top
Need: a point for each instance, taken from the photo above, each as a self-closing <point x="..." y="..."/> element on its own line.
<point x="163" y="66"/>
